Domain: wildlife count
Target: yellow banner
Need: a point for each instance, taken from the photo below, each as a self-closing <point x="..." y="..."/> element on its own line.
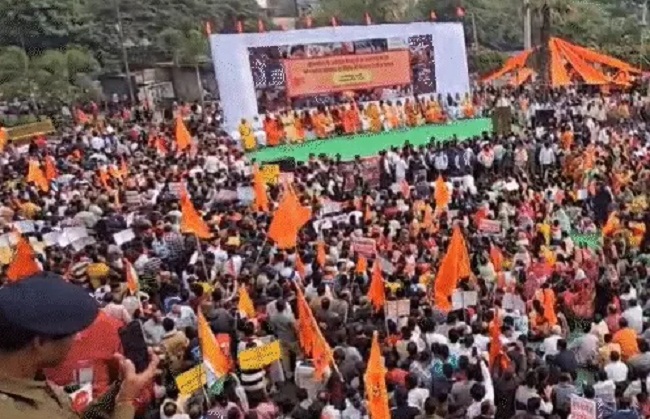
<point x="191" y="381"/>
<point x="30" y="130"/>
<point x="270" y="173"/>
<point x="260" y="357"/>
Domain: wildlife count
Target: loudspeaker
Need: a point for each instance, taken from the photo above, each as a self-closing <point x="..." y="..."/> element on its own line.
<point x="502" y="120"/>
<point x="286" y="165"/>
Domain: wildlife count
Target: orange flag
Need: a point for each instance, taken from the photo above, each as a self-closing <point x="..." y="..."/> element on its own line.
<point x="454" y="266"/>
<point x="160" y="146"/>
<point x="261" y="199"/>
<point x="36" y="175"/>
<point x="321" y="256"/>
<point x="612" y="224"/>
<point x="246" y="306"/>
<point x="546" y="296"/>
<point x="115" y="172"/>
<point x="496" y="353"/>
<point x="375" y="381"/>
<point x="362" y="265"/>
<point x="300" y="268"/>
<point x="23" y="263"/>
<point x="124" y="168"/>
<point x="50" y="169"/>
<point x="311" y="339"/>
<point x="289" y="218"/>
<point x="191" y="220"/>
<point x="183" y="137"/>
<point x="213" y="356"/>
<point x="496" y="256"/>
<point x="377" y="290"/>
<point x="132" y="282"/>
<point x="441" y="194"/>
<point x="4" y="138"/>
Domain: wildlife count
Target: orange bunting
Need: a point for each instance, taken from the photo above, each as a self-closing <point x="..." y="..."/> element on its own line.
<point x="212" y="353"/>
<point x="191" y="220"/>
<point x="455" y="266"/>
<point x="183" y="137"/>
<point x="36" y="176"/>
<point x="377" y="290"/>
<point x="23" y="264"/>
<point x="375" y="382"/>
<point x="289" y="218"/>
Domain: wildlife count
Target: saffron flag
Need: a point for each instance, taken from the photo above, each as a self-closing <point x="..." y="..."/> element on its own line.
<point x="289" y="218"/>
<point x="23" y="264"/>
<point x="213" y="357"/>
<point x="377" y="290"/>
<point x="183" y="137"/>
<point x="4" y="138"/>
<point x="362" y="265"/>
<point x="496" y="354"/>
<point x="50" y="169"/>
<point x="245" y="305"/>
<point x="375" y="381"/>
<point x="454" y="266"/>
<point x="36" y="176"/>
<point x="132" y="282"/>
<point x="496" y="257"/>
<point x="310" y="337"/>
<point x="300" y="268"/>
<point x="321" y="256"/>
<point x="191" y="220"/>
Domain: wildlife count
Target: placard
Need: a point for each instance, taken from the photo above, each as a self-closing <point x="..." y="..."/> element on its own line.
<point x="25" y="227"/>
<point x="260" y="357"/>
<point x="245" y="194"/>
<point x="490" y="226"/>
<point x="175" y="189"/>
<point x="330" y="207"/>
<point x="133" y="198"/>
<point x="270" y="173"/>
<point x="191" y="381"/>
<point x="583" y="408"/>
<point x="364" y="246"/>
<point x="394" y="309"/>
<point x="514" y="302"/>
<point x="463" y="299"/>
<point x="123" y="236"/>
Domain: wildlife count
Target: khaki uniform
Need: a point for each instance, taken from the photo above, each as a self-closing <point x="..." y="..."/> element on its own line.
<point x="27" y="399"/>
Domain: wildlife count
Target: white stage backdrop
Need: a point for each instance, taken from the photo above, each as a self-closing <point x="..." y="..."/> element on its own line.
<point x="251" y="76"/>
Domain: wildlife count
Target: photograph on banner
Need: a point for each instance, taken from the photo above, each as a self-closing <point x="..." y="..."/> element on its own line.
<point x="260" y="357"/>
<point x="332" y="72"/>
<point x="191" y="381"/>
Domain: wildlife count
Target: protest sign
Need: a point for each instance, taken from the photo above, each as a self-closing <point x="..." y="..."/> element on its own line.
<point x="463" y="299"/>
<point x="133" y="198"/>
<point x="583" y="408"/>
<point x="175" y="189"/>
<point x="490" y="226"/>
<point x="330" y="207"/>
<point x="364" y="246"/>
<point x="260" y="357"/>
<point x="270" y="173"/>
<point x="397" y="308"/>
<point x="191" y="381"/>
<point x="245" y="194"/>
<point x="123" y="236"/>
<point x="226" y="195"/>
<point x="51" y="238"/>
<point x="25" y="227"/>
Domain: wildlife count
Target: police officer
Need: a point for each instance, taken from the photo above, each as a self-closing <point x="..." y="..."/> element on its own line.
<point x="39" y="318"/>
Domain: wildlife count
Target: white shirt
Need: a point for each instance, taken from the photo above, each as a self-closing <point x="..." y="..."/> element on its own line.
<point x="417" y="397"/>
<point x="616" y="371"/>
<point x="546" y="156"/>
<point x="634" y="317"/>
<point x="549" y="346"/>
<point x="185" y="319"/>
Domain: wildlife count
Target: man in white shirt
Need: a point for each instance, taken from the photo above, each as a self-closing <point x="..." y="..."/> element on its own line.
<point x="634" y="316"/>
<point x="549" y="346"/>
<point x="616" y="370"/>
<point x="183" y="316"/>
<point x="546" y="159"/>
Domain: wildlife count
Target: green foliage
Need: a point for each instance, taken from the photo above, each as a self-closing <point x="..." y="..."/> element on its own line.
<point x="188" y="48"/>
<point x="485" y="61"/>
<point x="54" y="75"/>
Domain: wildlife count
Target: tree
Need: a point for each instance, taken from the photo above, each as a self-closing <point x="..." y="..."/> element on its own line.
<point x="53" y="75"/>
<point x="353" y="11"/>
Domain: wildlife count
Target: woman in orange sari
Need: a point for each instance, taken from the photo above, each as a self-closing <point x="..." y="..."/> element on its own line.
<point x="320" y="124"/>
<point x="349" y="120"/>
<point x="434" y="114"/>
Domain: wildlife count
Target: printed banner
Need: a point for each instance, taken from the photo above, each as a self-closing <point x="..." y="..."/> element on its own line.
<point x="582" y="408"/>
<point x="490" y="226"/>
<point x="395" y="309"/>
<point x="260" y="357"/>
<point x="191" y="381"/>
<point x="309" y="76"/>
<point x="270" y="173"/>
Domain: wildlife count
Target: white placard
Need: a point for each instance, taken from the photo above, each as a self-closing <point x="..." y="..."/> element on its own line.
<point x="25" y="226"/>
<point x="463" y="299"/>
<point x="583" y="408"/>
<point x="123" y="236"/>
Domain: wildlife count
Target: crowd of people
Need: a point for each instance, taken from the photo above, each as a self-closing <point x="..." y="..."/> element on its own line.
<point x="293" y="127"/>
<point x="552" y="305"/>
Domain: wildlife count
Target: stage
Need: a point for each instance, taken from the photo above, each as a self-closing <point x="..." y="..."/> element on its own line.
<point x="371" y="144"/>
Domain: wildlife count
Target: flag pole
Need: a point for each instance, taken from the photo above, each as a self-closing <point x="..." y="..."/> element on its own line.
<point x="205" y="268"/>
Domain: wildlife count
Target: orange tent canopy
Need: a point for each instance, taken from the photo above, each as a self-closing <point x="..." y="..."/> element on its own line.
<point x="563" y="54"/>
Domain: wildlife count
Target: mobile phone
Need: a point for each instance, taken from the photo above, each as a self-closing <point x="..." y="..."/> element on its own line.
<point x="134" y="345"/>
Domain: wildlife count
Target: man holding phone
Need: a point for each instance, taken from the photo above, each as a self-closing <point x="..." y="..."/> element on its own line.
<point x="39" y="318"/>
